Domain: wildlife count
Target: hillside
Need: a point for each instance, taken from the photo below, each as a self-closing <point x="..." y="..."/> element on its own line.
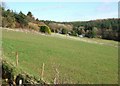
<point x="75" y="61"/>
<point x="46" y="52"/>
<point x="100" y="28"/>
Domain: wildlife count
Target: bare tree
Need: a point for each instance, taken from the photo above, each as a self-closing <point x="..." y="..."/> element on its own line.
<point x="53" y="26"/>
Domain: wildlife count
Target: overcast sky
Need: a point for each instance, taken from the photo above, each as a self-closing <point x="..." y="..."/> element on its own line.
<point x="67" y="11"/>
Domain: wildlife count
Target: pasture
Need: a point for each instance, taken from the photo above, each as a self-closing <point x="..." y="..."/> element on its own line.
<point x="77" y="61"/>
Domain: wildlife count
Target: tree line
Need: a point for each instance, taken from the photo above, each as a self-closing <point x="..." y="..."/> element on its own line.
<point x="103" y="28"/>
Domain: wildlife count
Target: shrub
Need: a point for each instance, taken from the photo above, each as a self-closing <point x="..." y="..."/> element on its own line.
<point x="73" y="33"/>
<point x="8" y="72"/>
<point x="64" y="31"/>
<point x="45" y="29"/>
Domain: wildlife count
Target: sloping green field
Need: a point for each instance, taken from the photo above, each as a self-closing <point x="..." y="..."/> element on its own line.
<point x="76" y="61"/>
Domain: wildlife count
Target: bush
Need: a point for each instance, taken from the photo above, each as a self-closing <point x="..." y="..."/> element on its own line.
<point x="73" y="33"/>
<point x="7" y="73"/>
<point x="45" y="29"/>
<point x="89" y="34"/>
<point x="64" y="31"/>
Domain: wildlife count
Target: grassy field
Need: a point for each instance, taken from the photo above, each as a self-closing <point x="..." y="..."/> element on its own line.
<point x="76" y="61"/>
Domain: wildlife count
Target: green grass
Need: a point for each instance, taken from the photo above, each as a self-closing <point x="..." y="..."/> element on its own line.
<point x="76" y="61"/>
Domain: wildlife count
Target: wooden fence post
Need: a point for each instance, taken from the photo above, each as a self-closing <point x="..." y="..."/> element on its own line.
<point x="42" y="73"/>
<point x="16" y="58"/>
